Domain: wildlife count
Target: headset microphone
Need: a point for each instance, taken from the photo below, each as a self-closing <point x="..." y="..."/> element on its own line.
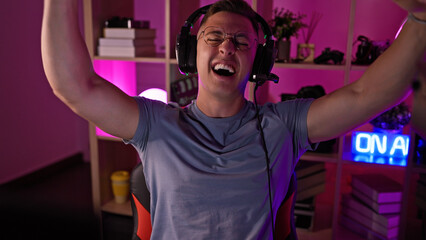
<point x="260" y="79"/>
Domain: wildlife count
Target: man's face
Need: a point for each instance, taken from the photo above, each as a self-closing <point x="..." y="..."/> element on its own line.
<point x="223" y="70"/>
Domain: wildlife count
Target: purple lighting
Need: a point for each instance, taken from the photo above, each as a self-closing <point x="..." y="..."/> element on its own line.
<point x="120" y="73"/>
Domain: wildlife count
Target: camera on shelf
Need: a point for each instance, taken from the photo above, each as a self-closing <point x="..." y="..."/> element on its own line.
<point x="329" y="56"/>
<point x="369" y="50"/>
<point x="125" y="22"/>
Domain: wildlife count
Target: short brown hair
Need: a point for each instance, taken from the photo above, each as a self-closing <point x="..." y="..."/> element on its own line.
<point x="234" y="6"/>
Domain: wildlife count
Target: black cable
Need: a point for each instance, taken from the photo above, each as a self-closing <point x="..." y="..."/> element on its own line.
<point x="265" y="149"/>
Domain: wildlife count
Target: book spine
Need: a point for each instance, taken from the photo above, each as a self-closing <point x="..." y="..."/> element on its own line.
<point x="386" y="220"/>
<point x="368" y="222"/>
<point x="361" y="230"/>
<point x="364" y="188"/>
<point x="310" y="192"/>
<point x="378" y="208"/>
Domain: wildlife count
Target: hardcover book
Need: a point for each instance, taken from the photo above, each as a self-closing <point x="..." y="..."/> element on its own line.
<point x="310" y="180"/>
<point x="361" y="230"/>
<point x="369" y="223"/>
<point x="381" y="208"/>
<point x="378" y="187"/>
<point x="386" y="220"/>
<point x="129" y="33"/>
<point x="310" y="192"/>
<point x="308" y="203"/>
<point x="126" y="42"/>
<point x="304" y="168"/>
<point x="146" y="51"/>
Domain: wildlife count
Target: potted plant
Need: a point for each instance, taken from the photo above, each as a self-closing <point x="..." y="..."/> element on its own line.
<point x="392" y="120"/>
<point x="284" y="25"/>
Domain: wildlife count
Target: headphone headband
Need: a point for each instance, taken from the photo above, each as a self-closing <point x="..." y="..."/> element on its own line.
<point x="186" y="49"/>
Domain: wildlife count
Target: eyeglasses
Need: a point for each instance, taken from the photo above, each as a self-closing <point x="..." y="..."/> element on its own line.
<point x="214" y="36"/>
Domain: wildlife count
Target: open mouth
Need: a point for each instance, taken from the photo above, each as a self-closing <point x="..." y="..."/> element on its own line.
<point x="223" y="70"/>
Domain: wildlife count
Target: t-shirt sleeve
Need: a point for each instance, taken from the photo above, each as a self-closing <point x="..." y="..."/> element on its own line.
<point x="140" y="137"/>
<point x="294" y="114"/>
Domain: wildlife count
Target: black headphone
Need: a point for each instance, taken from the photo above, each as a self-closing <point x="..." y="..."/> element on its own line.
<point x="186" y="50"/>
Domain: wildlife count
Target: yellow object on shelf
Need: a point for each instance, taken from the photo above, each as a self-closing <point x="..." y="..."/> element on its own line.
<point x="120" y="185"/>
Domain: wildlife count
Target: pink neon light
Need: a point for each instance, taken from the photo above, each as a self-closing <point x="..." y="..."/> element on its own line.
<point x="155" y="94"/>
<point x="400" y="28"/>
<point x="120" y="73"/>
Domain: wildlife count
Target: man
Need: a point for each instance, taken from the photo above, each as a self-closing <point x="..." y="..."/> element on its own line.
<point x="205" y="164"/>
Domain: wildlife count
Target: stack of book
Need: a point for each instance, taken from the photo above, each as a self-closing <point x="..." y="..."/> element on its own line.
<point x="310" y="182"/>
<point x="310" y="179"/>
<point x="373" y="208"/>
<point x="127" y="42"/>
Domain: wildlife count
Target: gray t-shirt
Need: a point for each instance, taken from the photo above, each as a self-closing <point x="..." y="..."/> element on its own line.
<point x="207" y="176"/>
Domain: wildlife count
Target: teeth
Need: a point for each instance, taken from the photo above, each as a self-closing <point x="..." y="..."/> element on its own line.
<point x="221" y="66"/>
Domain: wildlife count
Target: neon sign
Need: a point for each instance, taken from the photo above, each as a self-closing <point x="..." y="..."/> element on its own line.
<point x="381" y="148"/>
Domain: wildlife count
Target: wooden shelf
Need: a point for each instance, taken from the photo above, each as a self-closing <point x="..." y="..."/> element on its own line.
<point x="160" y="58"/>
<point x="358" y="68"/>
<point x="115" y="139"/>
<point x="320" y="157"/>
<point x="376" y="165"/>
<point x="310" y="66"/>
<point x="118" y="208"/>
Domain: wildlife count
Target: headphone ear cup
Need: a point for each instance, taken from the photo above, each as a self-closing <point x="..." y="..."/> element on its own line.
<point x="192" y="54"/>
<point x="186" y="52"/>
<point x="257" y="63"/>
<point x="270" y="53"/>
<point x="264" y="59"/>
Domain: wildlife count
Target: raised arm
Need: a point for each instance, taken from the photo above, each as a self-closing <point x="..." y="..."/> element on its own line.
<point x="386" y="82"/>
<point x="69" y="70"/>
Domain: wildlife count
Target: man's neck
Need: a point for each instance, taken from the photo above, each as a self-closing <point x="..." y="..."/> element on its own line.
<point x="220" y="108"/>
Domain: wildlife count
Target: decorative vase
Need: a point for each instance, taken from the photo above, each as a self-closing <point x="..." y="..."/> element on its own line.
<point x="283" y="51"/>
<point x="306" y="52"/>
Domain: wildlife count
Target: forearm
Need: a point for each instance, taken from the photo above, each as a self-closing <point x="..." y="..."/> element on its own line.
<point x="389" y="79"/>
<point x="65" y="57"/>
